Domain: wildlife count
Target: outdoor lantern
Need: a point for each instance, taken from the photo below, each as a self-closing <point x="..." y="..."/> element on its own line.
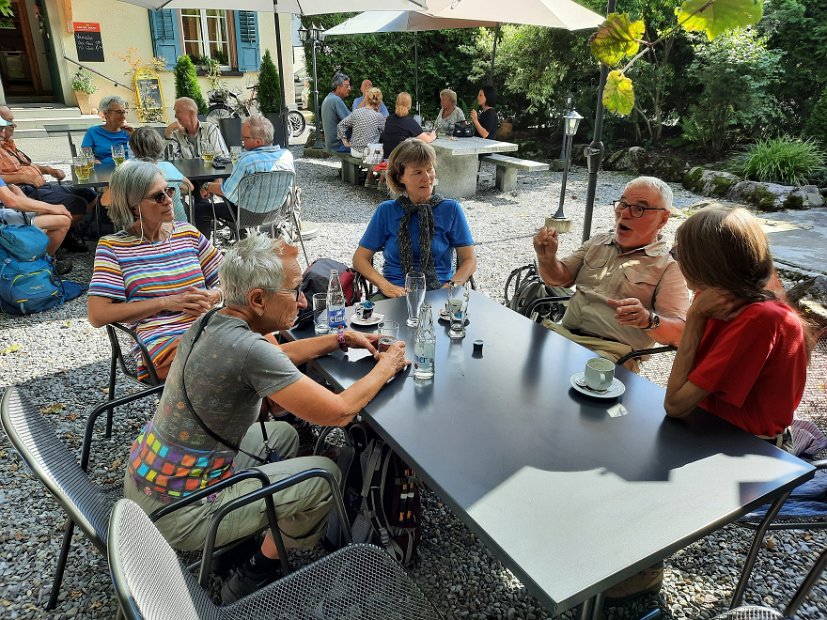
<point x="571" y="121"/>
<point x="303" y="34"/>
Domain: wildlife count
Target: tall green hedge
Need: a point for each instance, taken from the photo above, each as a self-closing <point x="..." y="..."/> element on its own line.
<point x="186" y="83"/>
<point x="269" y="90"/>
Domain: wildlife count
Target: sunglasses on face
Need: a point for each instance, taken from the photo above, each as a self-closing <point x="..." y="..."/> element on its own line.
<point x="167" y="192"/>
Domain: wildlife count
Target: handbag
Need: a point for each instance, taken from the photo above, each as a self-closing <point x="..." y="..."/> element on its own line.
<point x="374" y="153"/>
<point x="463" y="129"/>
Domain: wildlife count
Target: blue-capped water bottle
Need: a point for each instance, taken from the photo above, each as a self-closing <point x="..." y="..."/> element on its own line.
<point x="335" y="301"/>
<point x="425" y="345"/>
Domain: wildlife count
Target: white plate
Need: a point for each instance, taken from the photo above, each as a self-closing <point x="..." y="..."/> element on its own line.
<point x="615" y="389"/>
<point x="374" y="319"/>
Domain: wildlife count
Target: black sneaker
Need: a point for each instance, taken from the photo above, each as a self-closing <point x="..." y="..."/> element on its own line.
<point x="74" y="243"/>
<point x="62" y="267"/>
<point x="243" y="583"/>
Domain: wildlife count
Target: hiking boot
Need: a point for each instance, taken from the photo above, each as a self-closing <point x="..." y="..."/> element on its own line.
<point x="242" y="583"/>
<point x="234" y="557"/>
<point x="62" y="267"/>
<point x="73" y="243"/>
<point x="647" y="581"/>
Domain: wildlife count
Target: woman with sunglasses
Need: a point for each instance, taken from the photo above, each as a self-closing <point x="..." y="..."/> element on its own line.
<point x="155" y="274"/>
<point x="744" y="352"/>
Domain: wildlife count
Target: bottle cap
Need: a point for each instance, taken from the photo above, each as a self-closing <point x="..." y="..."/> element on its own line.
<point x="478" y="347"/>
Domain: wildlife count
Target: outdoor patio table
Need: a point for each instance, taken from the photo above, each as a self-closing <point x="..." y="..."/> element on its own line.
<point x="457" y="163"/>
<point x="196" y="170"/>
<point x="571" y="493"/>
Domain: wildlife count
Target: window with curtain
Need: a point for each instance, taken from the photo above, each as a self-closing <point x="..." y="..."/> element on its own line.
<point x="206" y="34"/>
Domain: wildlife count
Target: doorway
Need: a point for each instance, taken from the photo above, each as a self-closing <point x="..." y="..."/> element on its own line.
<point x="26" y="53"/>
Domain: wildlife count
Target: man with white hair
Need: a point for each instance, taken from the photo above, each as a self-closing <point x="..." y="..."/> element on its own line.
<point x="260" y="155"/>
<point x="630" y="292"/>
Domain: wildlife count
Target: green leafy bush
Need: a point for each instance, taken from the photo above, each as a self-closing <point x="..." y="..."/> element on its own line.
<point x="817" y="123"/>
<point x="784" y="160"/>
<point x="269" y="91"/>
<point x="186" y="83"/>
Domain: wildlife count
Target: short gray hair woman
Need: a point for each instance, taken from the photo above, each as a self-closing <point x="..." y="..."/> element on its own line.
<point x="128" y="186"/>
<point x="115" y="131"/>
<point x="254" y="263"/>
<point x="449" y="113"/>
<point x="147" y="144"/>
<point x="107" y="102"/>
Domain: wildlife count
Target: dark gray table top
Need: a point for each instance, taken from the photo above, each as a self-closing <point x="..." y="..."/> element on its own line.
<point x="571" y="493"/>
<point x="99" y="178"/>
<point x="197" y="170"/>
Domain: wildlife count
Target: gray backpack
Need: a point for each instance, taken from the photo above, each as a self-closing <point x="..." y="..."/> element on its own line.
<point x="524" y="285"/>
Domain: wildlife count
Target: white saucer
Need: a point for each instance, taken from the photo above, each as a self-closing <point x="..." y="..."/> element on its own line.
<point x="615" y="389"/>
<point x="374" y="319"/>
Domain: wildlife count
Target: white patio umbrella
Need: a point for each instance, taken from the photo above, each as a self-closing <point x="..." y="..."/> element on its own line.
<point x="297" y="7"/>
<point x="550" y="13"/>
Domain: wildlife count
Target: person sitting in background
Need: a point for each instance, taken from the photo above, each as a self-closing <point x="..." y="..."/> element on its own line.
<point x="224" y="369"/>
<point x="148" y="145"/>
<point x="630" y="292"/>
<point x="115" y="131"/>
<point x="744" y="352"/>
<point x="259" y="155"/>
<point x="54" y="220"/>
<point x="360" y="101"/>
<point x="399" y="126"/>
<point x="333" y="110"/>
<point x="364" y="123"/>
<point x="449" y="113"/>
<point x="189" y="138"/>
<point x="18" y="169"/>
<point x="155" y="274"/>
<point x="418" y="231"/>
<point x="485" y="121"/>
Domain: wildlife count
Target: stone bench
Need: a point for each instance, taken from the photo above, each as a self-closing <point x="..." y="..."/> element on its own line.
<point x="350" y="167"/>
<point x="507" y="168"/>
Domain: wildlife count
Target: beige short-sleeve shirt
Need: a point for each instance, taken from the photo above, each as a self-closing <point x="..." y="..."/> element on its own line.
<point x="602" y="271"/>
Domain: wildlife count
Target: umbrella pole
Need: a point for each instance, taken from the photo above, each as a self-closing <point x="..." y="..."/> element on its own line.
<point x="285" y="132"/>
<point x="416" y="70"/>
<point x="595" y="150"/>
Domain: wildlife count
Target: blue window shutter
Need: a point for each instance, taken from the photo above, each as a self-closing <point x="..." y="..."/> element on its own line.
<point x="246" y="36"/>
<point x="166" y="40"/>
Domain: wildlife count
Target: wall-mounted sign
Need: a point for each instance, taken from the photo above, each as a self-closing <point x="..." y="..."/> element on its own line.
<point x="150" y="99"/>
<point x="88" y="41"/>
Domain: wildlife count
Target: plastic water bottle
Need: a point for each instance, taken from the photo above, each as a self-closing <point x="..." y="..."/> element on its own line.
<point x="425" y="345"/>
<point x="335" y="301"/>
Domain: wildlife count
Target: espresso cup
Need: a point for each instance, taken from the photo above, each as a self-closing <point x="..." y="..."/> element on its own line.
<point x="599" y="374"/>
<point x="364" y="310"/>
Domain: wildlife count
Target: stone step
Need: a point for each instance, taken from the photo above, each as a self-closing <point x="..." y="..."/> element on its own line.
<point x="26" y="112"/>
<point x="33" y="127"/>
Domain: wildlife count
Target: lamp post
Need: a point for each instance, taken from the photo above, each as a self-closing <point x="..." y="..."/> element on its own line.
<point x="314" y="34"/>
<point x="571" y="121"/>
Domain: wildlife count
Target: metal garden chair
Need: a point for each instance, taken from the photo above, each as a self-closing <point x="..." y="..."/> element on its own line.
<point x="358" y="581"/>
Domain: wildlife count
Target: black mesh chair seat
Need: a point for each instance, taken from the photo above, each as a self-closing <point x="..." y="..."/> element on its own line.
<point x="359" y="581"/>
<point x="750" y="612"/>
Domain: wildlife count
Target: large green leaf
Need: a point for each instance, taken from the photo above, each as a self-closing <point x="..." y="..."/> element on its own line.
<point x="619" y="93"/>
<point x="716" y="17"/>
<point x="617" y="38"/>
<point x="5" y="8"/>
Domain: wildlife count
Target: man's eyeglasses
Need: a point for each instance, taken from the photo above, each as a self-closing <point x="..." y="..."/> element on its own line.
<point x="294" y="292"/>
<point x="634" y="210"/>
<point x="167" y="192"/>
<point x="123" y="111"/>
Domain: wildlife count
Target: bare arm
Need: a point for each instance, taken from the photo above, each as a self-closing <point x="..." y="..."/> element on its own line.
<point x="310" y="401"/>
<point x="482" y="132"/>
<point x="302" y="351"/>
<point x="631" y="313"/>
<point x="427" y="136"/>
<point x="24" y="177"/>
<point x="552" y="271"/>
<point x="363" y="263"/>
<point x="19" y="202"/>
<point x="103" y="310"/>
<point x="467" y="264"/>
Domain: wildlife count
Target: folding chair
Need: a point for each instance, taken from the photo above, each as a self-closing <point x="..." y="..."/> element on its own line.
<point x="270" y="199"/>
<point x="230" y="130"/>
<point x="359" y="581"/>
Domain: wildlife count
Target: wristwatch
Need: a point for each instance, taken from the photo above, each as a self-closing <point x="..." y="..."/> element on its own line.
<point x="654" y="321"/>
<point x="340" y="338"/>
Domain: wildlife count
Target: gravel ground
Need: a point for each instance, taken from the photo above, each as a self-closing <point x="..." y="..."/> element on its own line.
<point x="60" y="362"/>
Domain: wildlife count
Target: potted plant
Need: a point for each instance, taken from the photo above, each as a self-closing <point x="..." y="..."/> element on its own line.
<point x="83" y="86"/>
<point x="269" y="97"/>
<point x="186" y="83"/>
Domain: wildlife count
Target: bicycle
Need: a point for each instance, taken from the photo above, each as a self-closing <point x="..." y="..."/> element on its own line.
<point x="227" y="104"/>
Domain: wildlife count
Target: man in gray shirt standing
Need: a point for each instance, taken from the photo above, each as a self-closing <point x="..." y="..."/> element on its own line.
<point x="334" y="109"/>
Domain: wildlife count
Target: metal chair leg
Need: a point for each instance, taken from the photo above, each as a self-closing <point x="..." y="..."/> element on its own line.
<point x="299" y="234"/>
<point x="61" y="563"/>
<point x="113" y="369"/>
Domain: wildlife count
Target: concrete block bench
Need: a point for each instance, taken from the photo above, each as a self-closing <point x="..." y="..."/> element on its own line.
<point x="350" y="167"/>
<point x="507" y="168"/>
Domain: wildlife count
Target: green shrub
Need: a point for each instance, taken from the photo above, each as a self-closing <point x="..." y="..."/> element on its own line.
<point x="269" y="92"/>
<point x="817" y="123"/>
<point x="784" y="160"/>
<point x="186" y="83"/>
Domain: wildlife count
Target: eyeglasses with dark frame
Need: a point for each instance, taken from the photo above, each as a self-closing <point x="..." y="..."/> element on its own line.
<point x="295" y="292"/>
<point x="158" y="197"/>
<point x="634" y="210"/>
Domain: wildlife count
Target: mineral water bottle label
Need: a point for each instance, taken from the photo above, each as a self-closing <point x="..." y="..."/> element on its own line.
<point x="336" y="316"/>
<point x="424" y="360"/>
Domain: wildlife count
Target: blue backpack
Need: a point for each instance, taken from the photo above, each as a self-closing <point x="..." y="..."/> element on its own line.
<point x="28" y="282"/>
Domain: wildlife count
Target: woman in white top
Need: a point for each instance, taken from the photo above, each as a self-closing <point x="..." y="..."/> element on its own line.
<point x="449" y="113"/>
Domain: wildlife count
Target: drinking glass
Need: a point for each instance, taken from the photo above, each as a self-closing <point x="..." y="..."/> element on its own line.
<point x="458" y="297"/>
<point x="415" y="296"/>
<point x="80" y="167"/>
<point x="118" y="154"/>
<point x="388" y="334"/>
<point x="320" y="313"/>
<point x="208" y="156"/>
<point x="235" y="153"/>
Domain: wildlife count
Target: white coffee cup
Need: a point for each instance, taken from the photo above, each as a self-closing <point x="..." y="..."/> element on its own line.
<point x="599" y="374"/>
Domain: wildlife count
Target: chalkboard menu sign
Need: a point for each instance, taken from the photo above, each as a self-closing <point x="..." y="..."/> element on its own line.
<point x="88" y="41"/>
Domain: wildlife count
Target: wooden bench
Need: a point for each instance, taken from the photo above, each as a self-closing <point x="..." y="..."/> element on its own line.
<point x="350" y="167"/>
<point x="507" y="168"/>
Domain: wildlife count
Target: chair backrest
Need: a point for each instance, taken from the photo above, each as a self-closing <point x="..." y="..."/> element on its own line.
<point x="55" y="466"/>
<point x="230" y="130"/>
<point x="149" y="579"/>
<point x="265" y="198"/>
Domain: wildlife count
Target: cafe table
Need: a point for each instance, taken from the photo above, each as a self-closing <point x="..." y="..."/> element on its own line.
<point x="457" y="163"/>
<point x="573" y="494"/>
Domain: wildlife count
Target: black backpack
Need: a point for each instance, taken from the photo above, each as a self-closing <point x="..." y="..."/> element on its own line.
<point x="380" y="493"/>
<point x="316" y="279"/>
<point x="524" y="285"/>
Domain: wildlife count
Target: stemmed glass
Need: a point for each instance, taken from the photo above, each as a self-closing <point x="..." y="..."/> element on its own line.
<point x="415" y="295"/>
